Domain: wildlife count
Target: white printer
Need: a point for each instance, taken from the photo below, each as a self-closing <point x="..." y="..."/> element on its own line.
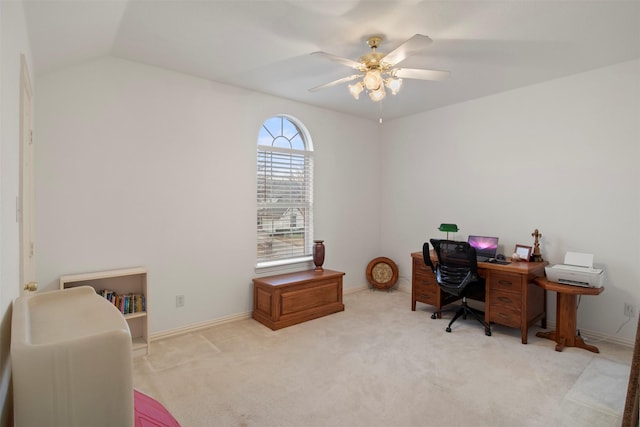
<point x="577" y="270"/>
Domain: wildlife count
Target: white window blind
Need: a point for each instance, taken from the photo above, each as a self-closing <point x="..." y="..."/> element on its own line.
<point x="284" y="195"/>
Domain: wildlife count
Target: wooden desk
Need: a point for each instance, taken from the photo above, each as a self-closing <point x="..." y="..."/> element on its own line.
<point x="566" y="313"/>
<point x="287" y="299"/>
<point x="511" y="297"/>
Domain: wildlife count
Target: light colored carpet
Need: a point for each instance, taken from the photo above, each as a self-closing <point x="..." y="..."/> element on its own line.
<point x="602" y="385"/>
<point x="380" y="364"/>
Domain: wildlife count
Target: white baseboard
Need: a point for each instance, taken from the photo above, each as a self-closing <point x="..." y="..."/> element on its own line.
<point x="221" y="321"/>
<point x="197" y="326"/>
<point x="594" y="336"/>
<point x="354" y="290"/>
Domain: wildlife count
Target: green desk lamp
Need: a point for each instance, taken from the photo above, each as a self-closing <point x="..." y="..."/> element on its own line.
<point x="448" y="228"/>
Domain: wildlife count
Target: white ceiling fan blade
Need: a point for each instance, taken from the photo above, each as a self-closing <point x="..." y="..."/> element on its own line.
<point x="343" y="61"/>
<point x="414" y="73"/>
<point x="406" y="49"/>
<point x="335" y="82"/>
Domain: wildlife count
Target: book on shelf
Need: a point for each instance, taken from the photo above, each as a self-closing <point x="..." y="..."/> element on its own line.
<point x="127" y="303"/>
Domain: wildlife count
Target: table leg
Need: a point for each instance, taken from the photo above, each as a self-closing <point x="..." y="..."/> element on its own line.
<point x="581" y="344"/>
<point x="566" y="316"/>
<point x="565" y="333"/>
<point x="543" y="322"/>
<point x="551" y="335"/>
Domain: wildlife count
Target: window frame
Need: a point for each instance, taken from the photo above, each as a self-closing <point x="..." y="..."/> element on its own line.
<point x="305" y="260"/>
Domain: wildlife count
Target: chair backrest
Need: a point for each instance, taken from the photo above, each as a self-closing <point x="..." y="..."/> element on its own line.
<point x="457" y="265"/>
<point x="426" y="255"/>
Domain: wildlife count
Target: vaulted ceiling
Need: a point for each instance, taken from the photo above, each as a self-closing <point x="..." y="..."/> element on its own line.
<point x="488" y="46"/>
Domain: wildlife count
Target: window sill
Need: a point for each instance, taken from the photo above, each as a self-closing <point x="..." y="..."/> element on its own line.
<point x="285" y="266"/>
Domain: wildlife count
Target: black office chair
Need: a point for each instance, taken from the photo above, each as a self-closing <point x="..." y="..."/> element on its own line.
<point x="457" y="274"/>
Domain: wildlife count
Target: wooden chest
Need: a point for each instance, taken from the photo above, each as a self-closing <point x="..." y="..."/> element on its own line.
<point x="287" y="299"/>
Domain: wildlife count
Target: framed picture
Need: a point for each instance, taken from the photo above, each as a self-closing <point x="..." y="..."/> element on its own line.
<point x="523" y="252"/>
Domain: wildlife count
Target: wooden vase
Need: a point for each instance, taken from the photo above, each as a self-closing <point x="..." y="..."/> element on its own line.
<point x="318" y="254"/>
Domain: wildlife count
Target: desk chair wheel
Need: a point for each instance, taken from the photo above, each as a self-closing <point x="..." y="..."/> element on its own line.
<point x="448" y="329"/>
<point x="487" y="332"/>
<point x="433" y="316"/>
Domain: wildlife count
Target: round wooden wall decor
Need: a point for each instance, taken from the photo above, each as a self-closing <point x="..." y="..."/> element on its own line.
<point x="382" y="273"/>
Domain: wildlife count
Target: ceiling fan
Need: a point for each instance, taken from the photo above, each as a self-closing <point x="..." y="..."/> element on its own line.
<point x="377" y="69"/>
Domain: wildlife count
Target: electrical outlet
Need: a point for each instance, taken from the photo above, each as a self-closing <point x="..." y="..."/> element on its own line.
<point x="179" y="300"/>
<point x="629" y="310"/>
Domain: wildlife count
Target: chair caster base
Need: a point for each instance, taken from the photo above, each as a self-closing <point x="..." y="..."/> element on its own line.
<point x="487" y="332"/>
<point x="433" y="316"/>
<point x="448" y="329"/>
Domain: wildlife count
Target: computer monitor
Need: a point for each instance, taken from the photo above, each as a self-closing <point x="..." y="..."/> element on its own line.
<point x="486" y="247"/>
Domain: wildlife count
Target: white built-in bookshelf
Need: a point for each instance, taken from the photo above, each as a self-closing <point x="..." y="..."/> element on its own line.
<point x="127" y="290"/>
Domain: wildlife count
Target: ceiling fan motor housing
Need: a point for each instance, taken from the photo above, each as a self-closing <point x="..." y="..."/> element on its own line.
<point x="372" y="60"/>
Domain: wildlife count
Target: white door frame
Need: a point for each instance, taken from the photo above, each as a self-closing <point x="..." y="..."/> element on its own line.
<point x="25" y="203"/>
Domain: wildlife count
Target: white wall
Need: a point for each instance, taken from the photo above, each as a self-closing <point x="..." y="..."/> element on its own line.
<point x="561" y="157"/>
<point x="137" y="165"/>
<point x="13" y="42"/>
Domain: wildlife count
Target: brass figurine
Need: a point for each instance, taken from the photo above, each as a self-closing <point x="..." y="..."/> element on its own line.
<point x="536" y="257"/>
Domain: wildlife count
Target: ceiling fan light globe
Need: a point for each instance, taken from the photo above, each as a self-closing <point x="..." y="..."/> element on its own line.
<point x="355" y="89"/>
<point x="372" y="80"/>
<point x="377" y="95"/>
<point x="394" y="85"/>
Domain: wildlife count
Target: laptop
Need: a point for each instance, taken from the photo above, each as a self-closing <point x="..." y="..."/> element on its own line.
<point x="486" y="247"/>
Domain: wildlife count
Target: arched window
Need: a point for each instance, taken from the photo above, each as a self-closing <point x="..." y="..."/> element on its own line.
<point x="285" y="192"/>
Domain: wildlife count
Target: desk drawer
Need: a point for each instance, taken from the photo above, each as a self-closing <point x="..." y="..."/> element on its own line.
<point x="503" y="281"/>
<point x="425" y="289"/>
<point x="427" y="278"/>
<point x="506" y="308"/>
<point x="426" y="297"/>
<point x="505" y="317"/>
<point x="421" y="269"/>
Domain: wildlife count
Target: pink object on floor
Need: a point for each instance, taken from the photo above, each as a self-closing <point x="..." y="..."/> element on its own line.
<point x="150" y="413"/>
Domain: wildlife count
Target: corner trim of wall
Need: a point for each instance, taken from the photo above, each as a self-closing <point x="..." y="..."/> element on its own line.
<point x="404" y="287"/>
